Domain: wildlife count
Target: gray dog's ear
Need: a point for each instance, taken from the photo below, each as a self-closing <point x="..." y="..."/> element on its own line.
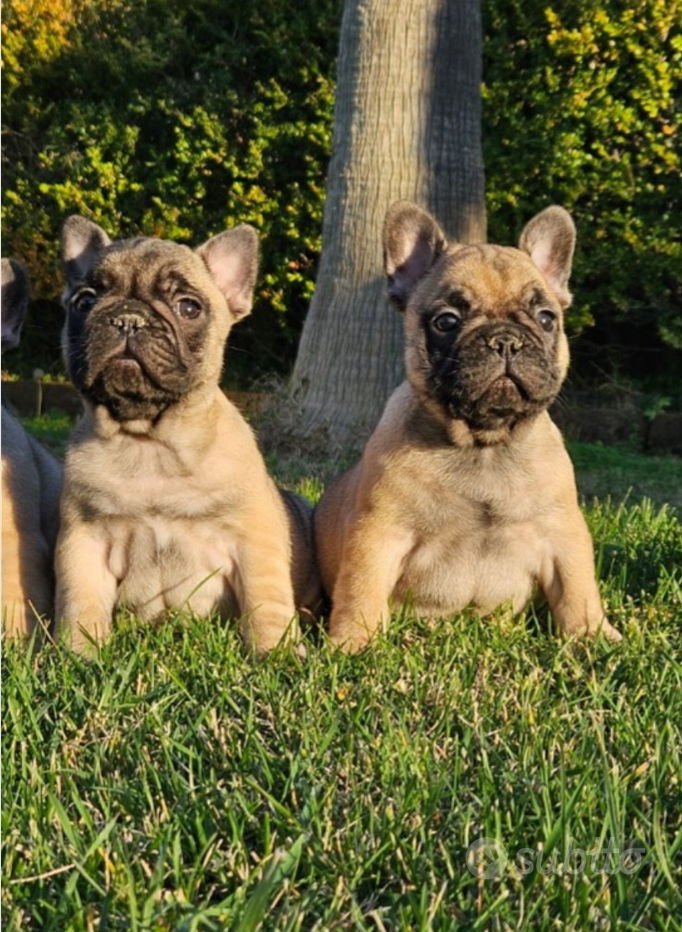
<point x="413" y="242"/>
<point x="232" y="260"/>
<point x="14" y="300"/>
<point x="81" y="242"/>
<point x="549" y="239"/>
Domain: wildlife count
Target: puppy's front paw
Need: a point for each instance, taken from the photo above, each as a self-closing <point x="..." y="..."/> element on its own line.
<point x="19" y="619"/>
<point x="84" y="640"/>
<point x="348" y="636"/>
<point x="350" y="646"/>
<point x="608" y="631"/>
<point x="262" y="634"/>
<point x="592" y="629"/>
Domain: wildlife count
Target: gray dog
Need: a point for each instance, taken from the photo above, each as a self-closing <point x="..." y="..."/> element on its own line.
<point x="31" y="483"/>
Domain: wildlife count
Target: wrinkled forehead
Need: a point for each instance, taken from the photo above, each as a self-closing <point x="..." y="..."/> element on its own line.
<point x="484" y="277"/>
<point x="143" y="263"/>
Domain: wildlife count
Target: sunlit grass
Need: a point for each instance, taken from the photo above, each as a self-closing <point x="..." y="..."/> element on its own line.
<point x="172" y="784"/>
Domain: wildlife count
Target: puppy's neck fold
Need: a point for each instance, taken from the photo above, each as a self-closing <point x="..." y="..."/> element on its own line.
<point x="461" y="434"/>
<point x="179" y="420"/>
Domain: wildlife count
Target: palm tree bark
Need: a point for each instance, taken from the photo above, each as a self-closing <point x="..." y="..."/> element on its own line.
<point x="407" y="124"/>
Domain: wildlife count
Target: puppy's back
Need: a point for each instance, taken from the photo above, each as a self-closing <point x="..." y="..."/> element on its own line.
<point x="31" y="486"/>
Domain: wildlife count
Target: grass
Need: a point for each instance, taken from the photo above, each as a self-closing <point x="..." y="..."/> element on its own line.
<point x="51" y="429"/>
<point x="616" y="472"/>
<point x="171" y="784"/>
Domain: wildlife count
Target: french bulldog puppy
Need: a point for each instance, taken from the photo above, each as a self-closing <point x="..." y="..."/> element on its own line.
<point x="167" y="503"/>
<point x="31" y="484"/>
<point x="465" y="494"/>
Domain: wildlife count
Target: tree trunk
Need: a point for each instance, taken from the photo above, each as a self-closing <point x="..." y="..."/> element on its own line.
<point x="407" y="124"/>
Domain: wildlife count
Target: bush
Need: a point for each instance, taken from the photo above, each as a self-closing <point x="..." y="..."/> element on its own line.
<point x="176" y="119"/>
<point x="581" y="108"/>
<point x="179" y="118"/>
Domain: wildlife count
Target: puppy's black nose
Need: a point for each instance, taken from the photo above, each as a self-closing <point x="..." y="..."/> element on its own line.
<point x="505" y="344"/>
<point x="128" y="324"/>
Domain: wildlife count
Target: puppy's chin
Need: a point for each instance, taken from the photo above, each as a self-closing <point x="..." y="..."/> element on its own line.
<point x="497" y="402"/>
<point x="503" y="406"/>
<point x="129" y="393"/>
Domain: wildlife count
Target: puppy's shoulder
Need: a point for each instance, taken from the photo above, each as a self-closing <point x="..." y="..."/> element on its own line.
<point x="398" y="430"/>
<point x="548" y="449"/>
<point x="31" y="457"/>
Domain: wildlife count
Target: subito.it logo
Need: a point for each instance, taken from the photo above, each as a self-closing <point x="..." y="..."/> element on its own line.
<point x="486" y="858"/>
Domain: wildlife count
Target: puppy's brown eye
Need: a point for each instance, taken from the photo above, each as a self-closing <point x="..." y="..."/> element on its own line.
<point x="84" y="301"/>
<point x="546" y="320"/>
<point x="446" y="322"/>
<point x="188" y="308"/>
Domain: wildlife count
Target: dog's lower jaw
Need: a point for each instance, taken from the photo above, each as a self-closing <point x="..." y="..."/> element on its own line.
<point x="469" y="429"/>
<point x="126" y="410"/>
<point x="133" y="396"/>
<point x="496" y="424"/>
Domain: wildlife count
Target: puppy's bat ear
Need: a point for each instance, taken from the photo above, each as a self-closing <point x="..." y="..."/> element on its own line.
<point x="413" y="242"/>
<point x="549" y="239"/>
<point x="82" y="240"/>
<point x="232" y="260"/>
<point x="14" y="300"/>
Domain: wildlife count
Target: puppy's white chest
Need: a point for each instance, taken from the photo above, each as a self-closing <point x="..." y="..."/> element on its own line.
<point x="473" y="561"/>
<point x="170" y="543"/>
<point x="161" y="564"/>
